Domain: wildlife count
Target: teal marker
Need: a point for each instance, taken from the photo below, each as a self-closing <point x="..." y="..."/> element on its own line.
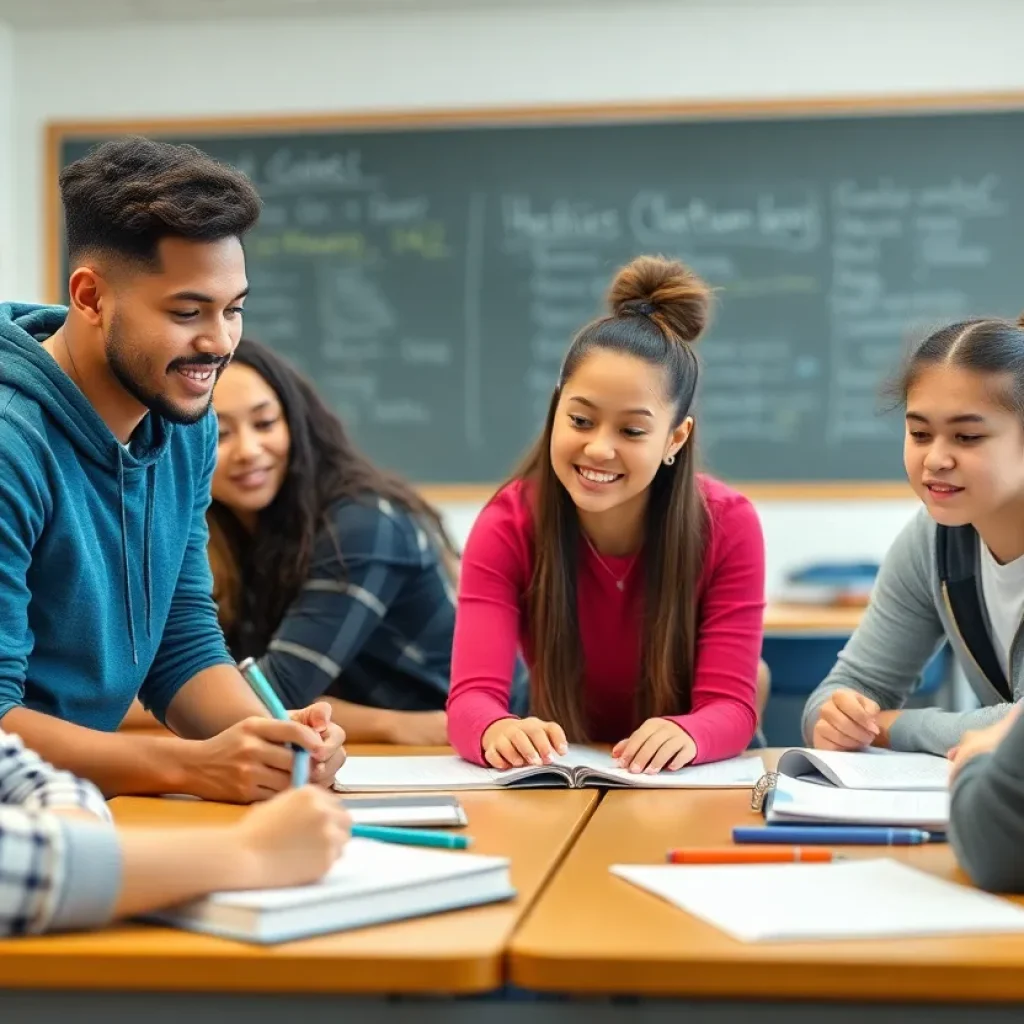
<point x="260" y="685"/>
<point x="411" y="836"/>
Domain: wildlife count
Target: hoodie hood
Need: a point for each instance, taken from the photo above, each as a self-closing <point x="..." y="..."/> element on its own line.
<point x="27" y="367"/>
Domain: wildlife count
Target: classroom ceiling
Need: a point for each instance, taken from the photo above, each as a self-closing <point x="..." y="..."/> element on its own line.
<point x="27" y="14"/>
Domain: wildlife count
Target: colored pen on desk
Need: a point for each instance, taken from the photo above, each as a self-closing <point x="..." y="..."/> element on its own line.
<point x="260" y="685"/>
<point x="411" y="836"/>
<point x="777" y="855"/>
<point x="850" y="835"/>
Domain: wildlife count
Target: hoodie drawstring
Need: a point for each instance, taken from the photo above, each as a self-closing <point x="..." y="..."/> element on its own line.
<point x="129" y="610"/>
<point x="147" y="577"/>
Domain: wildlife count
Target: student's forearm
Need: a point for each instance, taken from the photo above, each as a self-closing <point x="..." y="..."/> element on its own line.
<point x="363" y="724"/>
<point x="118" y="763"/>
<point x="212" y="701"/>
<point x="935" y="731"/>
<point x="164" y="867"/>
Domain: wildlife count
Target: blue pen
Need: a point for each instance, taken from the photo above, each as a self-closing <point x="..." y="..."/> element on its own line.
<point x="839" y="835"/>
<point x="411" y="836"/>
<point x="252" y="674"/>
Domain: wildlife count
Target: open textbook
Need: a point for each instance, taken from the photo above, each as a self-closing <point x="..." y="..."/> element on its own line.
<point x="370" y="883"/>
<point x="857" y="899"/>
<point x="580" y="767"/>
<point x="867" y="769"/>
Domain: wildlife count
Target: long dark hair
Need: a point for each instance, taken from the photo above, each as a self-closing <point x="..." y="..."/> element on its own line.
<point x="987" y="346"/>
<point x="658" y="308"/>
<point x="257" y="577"/>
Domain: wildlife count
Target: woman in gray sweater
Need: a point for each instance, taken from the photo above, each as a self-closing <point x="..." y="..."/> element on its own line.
<point x="955" y="574"/>
<point x="986" y="825"/>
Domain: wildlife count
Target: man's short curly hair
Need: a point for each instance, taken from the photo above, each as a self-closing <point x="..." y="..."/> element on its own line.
<point x="128" y="194"/>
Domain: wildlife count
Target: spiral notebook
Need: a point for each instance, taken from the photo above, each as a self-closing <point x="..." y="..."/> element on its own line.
<point x="787" y="801"/>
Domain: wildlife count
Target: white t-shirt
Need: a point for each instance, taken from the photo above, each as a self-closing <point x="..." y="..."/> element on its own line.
<point x="1003" y="589"/>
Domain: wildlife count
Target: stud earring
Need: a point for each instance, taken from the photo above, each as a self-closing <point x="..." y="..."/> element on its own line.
<point x="670" y="460"/>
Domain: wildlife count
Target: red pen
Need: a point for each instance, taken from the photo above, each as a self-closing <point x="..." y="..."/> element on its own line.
<point x="775" y="855"/>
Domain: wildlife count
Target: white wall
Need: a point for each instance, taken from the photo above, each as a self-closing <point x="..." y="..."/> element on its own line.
<point x="7" y="235"/>
<point x="643" y="50"/>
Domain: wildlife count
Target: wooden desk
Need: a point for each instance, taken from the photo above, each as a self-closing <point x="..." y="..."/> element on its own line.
<point x="455" y="953"/>
<point x="800" y="620"/>
<point x="592" y="933"/>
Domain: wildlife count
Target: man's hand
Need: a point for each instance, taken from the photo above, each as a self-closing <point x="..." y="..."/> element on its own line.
<point x="250" y="760"/>
<point x="326" y="761"/>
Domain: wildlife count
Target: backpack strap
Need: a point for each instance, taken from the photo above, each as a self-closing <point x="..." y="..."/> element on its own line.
<point x="956" y="554"/>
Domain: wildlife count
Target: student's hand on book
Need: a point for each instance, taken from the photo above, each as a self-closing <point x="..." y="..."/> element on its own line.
<point x="847" y="721"/>
<point x="981" y="741"/>
<point x="292" y="839"/>
<point x="418" y="728"/>
<point x="514" y="742"/>
<point x="657" y="744"/>
<point x="249" y="761"/>
<point x="325" y="762"/>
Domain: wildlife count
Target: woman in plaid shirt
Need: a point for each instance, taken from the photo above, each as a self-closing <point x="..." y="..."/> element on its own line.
<point x="63" y="864"/>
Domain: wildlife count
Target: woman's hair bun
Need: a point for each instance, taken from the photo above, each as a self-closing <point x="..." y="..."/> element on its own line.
<point x="667" y="291"/>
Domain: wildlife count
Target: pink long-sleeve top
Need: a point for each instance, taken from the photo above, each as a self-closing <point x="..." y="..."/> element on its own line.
<point x="491" y="625"/>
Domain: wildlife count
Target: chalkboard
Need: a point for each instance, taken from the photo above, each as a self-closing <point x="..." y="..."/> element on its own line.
<point x="430" y="275"/>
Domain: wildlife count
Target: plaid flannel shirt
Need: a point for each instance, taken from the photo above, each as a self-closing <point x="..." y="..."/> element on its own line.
<point x="55" y="872"/>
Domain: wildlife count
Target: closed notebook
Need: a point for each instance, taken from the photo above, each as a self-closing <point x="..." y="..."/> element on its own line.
<point x="867" y="769"/>
<point x="434" y="810"/>
<point x="580" y="767"/>
<point x="858" y="899"/>
<point x="370" y="883"/>
<point x="794" y="801"/>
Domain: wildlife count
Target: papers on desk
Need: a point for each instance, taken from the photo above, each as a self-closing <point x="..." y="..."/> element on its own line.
<point x="370" y="883"/>
<point x="859" y="899"/>
<point x="867" y="769"/>
<point x="580" y="767"/>
<point x="795" y="801"/>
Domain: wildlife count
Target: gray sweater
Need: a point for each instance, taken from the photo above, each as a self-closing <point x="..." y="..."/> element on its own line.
<point x="987" y="815"/>
<point x="906" y="622"/>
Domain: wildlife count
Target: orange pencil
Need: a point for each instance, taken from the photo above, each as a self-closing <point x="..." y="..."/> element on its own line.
<point x="775" y="855"/>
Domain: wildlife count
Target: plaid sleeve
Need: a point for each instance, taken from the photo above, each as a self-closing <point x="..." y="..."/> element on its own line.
<point x="55" y="872"/>
<point x="31" y="850"/>
<point x="30" y="783"/>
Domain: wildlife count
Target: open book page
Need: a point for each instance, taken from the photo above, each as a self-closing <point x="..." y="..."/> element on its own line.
<point x="803" y="902"/>
<point x="796" y="801"/>
<point x="432" y="772"/>
<point x="367" y="774"/>
<point x="869" y="769"/>
<point x="736" y="772"/>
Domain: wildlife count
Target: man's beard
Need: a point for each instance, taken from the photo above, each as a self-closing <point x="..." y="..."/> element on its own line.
<point x="127" y="365"/>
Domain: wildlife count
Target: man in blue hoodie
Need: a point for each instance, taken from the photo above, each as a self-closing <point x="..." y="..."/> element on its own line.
<point x="107" y="446"/>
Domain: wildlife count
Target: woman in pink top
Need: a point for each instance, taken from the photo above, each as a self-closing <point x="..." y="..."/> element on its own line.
<point x="634" y="585"/>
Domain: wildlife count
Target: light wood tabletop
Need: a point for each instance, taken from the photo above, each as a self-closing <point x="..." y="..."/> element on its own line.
<point x="593" y="933"/>
<point x="459" y="952"/>
<point x="798" y="619"/>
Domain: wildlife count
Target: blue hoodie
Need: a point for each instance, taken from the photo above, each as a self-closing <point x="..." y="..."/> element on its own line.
<point x="105" y="585"/>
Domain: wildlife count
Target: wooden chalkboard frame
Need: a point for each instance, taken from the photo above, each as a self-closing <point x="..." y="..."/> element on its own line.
<point x="59" y="132"/>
